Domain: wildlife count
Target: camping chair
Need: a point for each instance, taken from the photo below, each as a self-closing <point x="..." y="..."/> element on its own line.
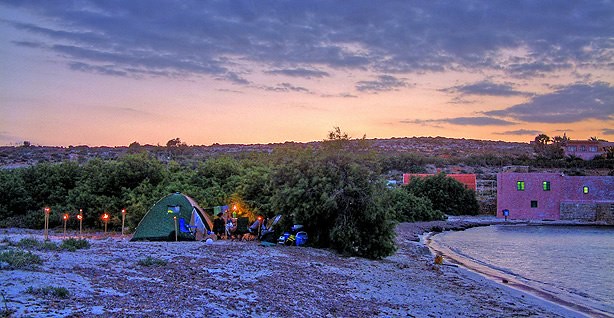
<point x="268" y="233"/>
<point x="242" y="227"/>
<point x="185" y="229"/>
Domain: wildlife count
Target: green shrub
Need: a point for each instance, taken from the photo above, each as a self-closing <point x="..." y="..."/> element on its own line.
<point x="337" y="197"/>
<point x="410" y="208"/>
<point x="49" y="246"/>
<point x="57" y="292"/>
<point x="18" y="259"/>
<point x="34" y="244"/>
<point x="150" y="261"/>
<point x="446" y="194"/>
<point x="72" y="244"/>
<point x="29" y="243"/>
<point x="369" y="233"/>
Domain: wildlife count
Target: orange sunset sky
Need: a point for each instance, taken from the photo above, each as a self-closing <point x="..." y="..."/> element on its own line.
<point x="114" y="72"/>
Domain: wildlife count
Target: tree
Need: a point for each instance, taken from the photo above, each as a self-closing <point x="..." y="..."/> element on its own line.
<point x="255" y="189"/>
<point x="549" y="148"/>
<point x="337" y="197"/>
<point x="597" y="139"/>
<point x="134" y="147"/>
<point x="337" y="135"/>
<point x="446" y="194"/>
<point x="174" y="143"/>
<point x="542" y="139"/>
<point x="176" y="147"/>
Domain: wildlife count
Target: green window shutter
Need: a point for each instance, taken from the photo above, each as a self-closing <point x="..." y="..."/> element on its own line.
<point x="520" y="185"/>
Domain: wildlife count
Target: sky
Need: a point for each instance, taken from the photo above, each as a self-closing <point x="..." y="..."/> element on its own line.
<point x="112" y="72"/>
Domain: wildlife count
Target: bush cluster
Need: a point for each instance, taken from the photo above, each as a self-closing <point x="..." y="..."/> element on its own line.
<point x="151" y="261"/>
<point x="446" y="194"/>
<point x="72" y="244"/>
<point x="34" y="244"/>
<point x="17" y="259"/>
<point x="57" y="292"/>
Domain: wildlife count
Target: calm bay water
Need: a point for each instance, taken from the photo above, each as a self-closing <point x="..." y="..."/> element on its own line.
<point x="574" y="263"/>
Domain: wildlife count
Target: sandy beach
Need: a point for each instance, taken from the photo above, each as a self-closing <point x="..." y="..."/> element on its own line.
<point x="244" y="279"/>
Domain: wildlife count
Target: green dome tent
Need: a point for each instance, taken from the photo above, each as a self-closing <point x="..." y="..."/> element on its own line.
<point x="158" y="224"/>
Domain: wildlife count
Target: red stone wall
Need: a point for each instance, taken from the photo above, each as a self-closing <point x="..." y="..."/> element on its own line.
<point x="467" y="179"/>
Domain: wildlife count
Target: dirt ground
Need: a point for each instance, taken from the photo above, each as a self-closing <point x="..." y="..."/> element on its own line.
<point x="245" y="279"/>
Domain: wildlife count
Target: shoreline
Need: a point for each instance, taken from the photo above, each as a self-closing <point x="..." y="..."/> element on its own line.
<point x="509" y="281"/>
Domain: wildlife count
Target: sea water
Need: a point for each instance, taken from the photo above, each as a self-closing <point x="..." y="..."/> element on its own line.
<point x="572" y="263"/>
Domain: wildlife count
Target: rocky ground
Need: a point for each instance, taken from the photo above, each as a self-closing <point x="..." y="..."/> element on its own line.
<point x="244" y="279"/>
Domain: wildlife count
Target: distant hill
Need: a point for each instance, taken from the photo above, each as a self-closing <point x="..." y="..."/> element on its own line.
<point x="21" y="156"/>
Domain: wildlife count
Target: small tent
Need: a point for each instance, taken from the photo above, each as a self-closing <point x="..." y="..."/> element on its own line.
<point x="158" y="224"/>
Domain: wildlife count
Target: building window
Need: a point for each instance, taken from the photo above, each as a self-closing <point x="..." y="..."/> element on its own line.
<point x="571" y="148"/>
<point x="593" y="149"/>
<point x="582" y="148"/>
<point x="533" y="204"/>
<point x="546" y="185"/>
<point x="520" y="185"/>
<point x="585" y="190"/>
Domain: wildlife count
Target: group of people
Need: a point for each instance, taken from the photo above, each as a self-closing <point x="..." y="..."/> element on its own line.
<point x="227" y="227"/>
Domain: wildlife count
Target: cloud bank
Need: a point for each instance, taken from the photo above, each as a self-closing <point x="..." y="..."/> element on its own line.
<point x="300" y="39"/>
<point x="568" y="104"/>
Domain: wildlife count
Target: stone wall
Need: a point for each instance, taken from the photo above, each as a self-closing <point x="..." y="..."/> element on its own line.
<point x="578" y="211"/>
<point x="605" y="213"/>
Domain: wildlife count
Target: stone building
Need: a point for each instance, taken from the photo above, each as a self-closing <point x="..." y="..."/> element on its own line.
<point x="586" y="149"/>
<point x="467" y="179"/>
<point x="553" y="196"/>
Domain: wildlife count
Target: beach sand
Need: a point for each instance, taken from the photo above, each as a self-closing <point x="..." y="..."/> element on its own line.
<point x="244" y="279"/>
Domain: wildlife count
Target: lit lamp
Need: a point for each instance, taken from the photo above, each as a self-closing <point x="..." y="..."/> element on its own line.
<point x="234" y="211"/>
<point x="105" y="219"/>
<point x="47" y="211"/>
<point x="123" y="219"/>
<point x="65" y="217"/>
<point x="80" y="218"/>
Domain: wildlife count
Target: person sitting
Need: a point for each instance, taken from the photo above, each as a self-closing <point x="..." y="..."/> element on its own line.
<point x="231" y="228"/>
<point x="219" y="226"/>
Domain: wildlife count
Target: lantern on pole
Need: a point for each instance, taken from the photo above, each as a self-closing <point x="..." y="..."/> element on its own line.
<point x="65" y="217"/>
<point x="234" y="211"/>
<point x="80" y="217"/>
<point x="123" y="220"/>
<point x="105" y="219"/>
<point x="47" y="211"/>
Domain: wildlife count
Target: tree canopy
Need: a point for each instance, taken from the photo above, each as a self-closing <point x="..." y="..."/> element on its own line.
<point x="336" y="190"/>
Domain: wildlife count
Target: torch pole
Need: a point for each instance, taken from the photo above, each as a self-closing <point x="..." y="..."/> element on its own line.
<point x="80" y="217"/>
<point x="175" y="218"/>
<point x="123" y="220"/>
<point x="47" y="211"/>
